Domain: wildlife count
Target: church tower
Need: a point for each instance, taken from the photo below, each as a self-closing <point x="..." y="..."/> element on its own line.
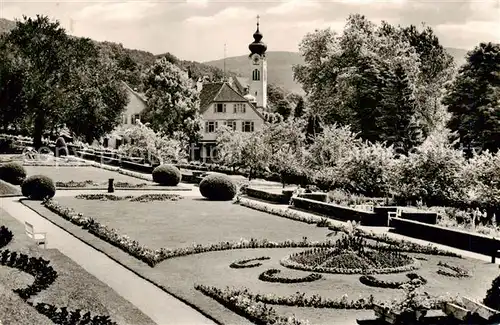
<point x="258" y="69"/>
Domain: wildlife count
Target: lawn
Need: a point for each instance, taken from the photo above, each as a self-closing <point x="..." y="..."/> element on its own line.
<point x="74" y="287"/>
<point x="7" y="189"/>
<point x="187" y="221"/>
<point x="81" y="174"/>
<point x="181" y="223"/>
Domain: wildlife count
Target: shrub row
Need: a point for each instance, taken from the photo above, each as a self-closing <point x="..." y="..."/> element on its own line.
<point x="141" y="198"/>
<point x="271" y="276"/>
<point x="243" y="264"/>
<point x="296" y="300"/>
<point x="242" y="304"/>
<point x="5" y="236"/>
<point x="63" y="316"/>
<point x="39" y="268"/>
<point x="102" y="197"/>
<point x="44" y="276"/>
<point x="73" y="183"/>
<point x="266" y="196"/>
<point x="457" y="271"/>
<point x="372" y="281"/>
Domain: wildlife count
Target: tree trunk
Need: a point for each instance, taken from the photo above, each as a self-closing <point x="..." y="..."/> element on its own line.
<point x="38" y="130"/>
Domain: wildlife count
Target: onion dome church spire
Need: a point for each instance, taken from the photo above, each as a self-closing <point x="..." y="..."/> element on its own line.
<point x="257" y="46"/>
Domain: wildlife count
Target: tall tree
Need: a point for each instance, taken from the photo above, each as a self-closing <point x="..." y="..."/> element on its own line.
<point x="299" y="108"/>
<point x="97" y="100"/>
<point x="173" y="100"/>
<point x="49" y="58"/>
<point x="397" y="120"/>
<point x="473" y="98"/>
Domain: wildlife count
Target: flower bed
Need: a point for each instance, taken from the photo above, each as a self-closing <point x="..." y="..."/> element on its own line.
<point x="245" y="263"/>
<point x="456" y="271"/>
<point x="89" y="183"/>
<point x="243" y="304"/>
<point x="271" y="276"/>
<point x="142" y="198"/>
<point x="300" y="261"/>
<point x="297" y="300"/>
<point x="372" y="281"/>
<point x="44" y="275"/>
<point x="289" y="214"/>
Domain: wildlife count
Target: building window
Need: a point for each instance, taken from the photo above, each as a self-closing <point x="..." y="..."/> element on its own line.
<point x="256" y="75"/>
<point x="247" y="126"/>
<point x="210" y="126"/>
<point x="124" y="119"/>
<point x="231" y="125"/>
<point x="219" y="108"/>
<point x="134" y="118"/>
<point x="239" y="108"/>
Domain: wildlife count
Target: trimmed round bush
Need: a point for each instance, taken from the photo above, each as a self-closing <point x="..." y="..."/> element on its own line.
<point x="218" y="187"/>
<point x="167" y="175"/>
<point x="38" y="187"/>
<point x="61" y="147"/>
<point x="13" y="173"/>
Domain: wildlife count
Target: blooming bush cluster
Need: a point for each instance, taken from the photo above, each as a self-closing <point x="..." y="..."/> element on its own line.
<point x="455" y="271"/>
<point x="141" y="198"/>
<point x="241" y="302"/>
<point x="296" y="300"/>
<point x="245" y="263"/>
<point x="271" y="275"/>
<point x="372" y="281"/>
<point x="102" y="197"/>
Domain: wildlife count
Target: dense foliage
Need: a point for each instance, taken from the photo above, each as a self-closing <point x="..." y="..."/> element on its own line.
<point x="473" y="98"/>
<point x="167" y="175"/>
<point x="61" y="147"/>
<point x="38" y="187"/>
<point x="50" y="79"/>
<point x="218" y="187"/>
<point x="13" y="173"/>
<point x="173" y="100"/>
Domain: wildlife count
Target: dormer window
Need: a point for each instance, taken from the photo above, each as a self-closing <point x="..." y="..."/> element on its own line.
<point x="219" y="108"/>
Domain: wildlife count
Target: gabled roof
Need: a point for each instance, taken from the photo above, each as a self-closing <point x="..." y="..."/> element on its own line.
<point x="222" y="92"/>
<point x="218" y="92"/>
<point x="142" y="97"/>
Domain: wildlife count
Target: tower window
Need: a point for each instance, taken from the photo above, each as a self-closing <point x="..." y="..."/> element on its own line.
<point x="256" y="75"/>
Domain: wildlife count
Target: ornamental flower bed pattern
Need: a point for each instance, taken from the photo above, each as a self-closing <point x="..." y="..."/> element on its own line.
<point x="452" y="271"/>
<point x="243" y="264"/>
<point x="372" y="281"/>
<point x="271" y="275"/>
<point x="44" y="276"/>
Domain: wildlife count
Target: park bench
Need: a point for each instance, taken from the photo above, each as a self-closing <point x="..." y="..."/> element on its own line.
<point x="38" y="237"/>
<point x="465" y="308"/>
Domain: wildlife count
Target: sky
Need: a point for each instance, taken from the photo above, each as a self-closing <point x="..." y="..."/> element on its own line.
<point x="198" y="29"/>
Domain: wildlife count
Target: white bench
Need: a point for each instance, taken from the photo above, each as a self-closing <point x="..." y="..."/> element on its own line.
<point x="38" y="237"/>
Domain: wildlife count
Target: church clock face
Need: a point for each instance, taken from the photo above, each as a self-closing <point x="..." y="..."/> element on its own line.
<point x="256" y="59"/>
